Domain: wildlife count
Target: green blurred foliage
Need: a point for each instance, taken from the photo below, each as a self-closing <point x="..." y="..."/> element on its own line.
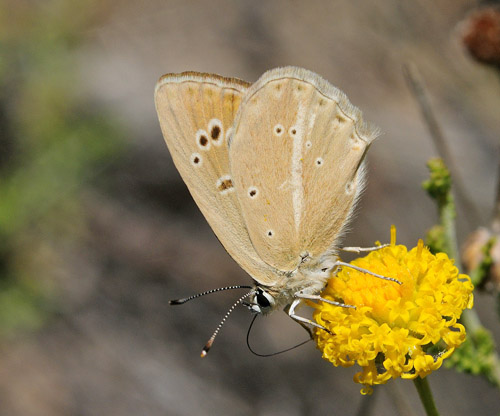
<point x="476" y="356"/>
<point x="435" y="239"/>
<point x="53" y="145"/>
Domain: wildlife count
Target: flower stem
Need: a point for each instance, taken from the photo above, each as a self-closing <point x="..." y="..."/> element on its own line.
<point x="425" y="394"/>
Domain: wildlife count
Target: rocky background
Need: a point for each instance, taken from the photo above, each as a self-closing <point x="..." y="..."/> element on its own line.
<point x="98" y="232"/>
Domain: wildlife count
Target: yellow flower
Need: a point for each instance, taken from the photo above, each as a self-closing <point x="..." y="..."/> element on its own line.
<point x="396" y="330"/>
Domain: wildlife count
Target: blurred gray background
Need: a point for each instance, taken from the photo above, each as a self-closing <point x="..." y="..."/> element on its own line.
<point x="99" y="232"/>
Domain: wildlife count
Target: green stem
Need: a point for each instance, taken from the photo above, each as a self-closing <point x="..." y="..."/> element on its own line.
<point x="425" y="394"/>
<point x="447" y="219"/>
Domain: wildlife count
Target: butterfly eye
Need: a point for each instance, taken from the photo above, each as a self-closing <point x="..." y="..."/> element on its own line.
<point x="263" y="299"/>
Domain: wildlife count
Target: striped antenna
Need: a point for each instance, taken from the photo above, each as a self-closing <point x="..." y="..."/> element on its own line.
<point x="208" y="292"/>
<point x="208" y="345"/>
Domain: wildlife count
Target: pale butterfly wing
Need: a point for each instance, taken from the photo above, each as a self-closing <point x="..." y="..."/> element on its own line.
<point x="196" y="112"/>
<point x="296" y="158"/>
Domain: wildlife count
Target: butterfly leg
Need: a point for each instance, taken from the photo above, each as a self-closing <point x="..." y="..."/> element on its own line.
<point x="360" y="269"/>
<point x="319" y="298"/>
<point x="364" y="249"/>
<point x="304" y="322"/>
<point x="304" y="325"/>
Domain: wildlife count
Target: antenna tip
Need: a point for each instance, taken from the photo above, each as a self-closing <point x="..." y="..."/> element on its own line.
<point x="176" y="301"/>
<point x="206" y="348"/>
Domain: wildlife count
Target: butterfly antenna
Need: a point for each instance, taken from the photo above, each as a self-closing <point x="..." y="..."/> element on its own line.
<point x="208" y="292"/>
<point x="273" y="353"/>
<point x="208" y="345"/>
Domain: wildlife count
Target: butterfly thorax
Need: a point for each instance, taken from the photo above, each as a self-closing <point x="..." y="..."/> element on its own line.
<point x="308" y="278"/>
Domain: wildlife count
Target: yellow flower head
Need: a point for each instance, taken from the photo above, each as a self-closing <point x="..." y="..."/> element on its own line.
<point x="396" y="330"/>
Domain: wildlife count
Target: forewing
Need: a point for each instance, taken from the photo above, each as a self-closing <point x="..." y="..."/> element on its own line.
<point x="296" y="159"/>
<point x="196" y="112"/>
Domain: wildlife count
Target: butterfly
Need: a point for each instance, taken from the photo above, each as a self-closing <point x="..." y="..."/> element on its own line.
<point x="276" y="167"/>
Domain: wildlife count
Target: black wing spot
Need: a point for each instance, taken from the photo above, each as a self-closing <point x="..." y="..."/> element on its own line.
<point x="203" y="140"/>
<point x="215" y="133"/>
<point x="225" y="185"/>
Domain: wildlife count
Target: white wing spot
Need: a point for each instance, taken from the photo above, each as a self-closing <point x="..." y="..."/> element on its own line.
<point x="202" y="140"/>
<point x="319" y="162"/>
<point x="312" y="119"/>
<point x="297" y="132"/>
<point x="216" y="131"/>
<point x="224" y="184"/>
<point x="253" y="192"/>
<point x="278" y="129"/>
<point x="196" y="160"/>
<point x="308" y="144"/>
